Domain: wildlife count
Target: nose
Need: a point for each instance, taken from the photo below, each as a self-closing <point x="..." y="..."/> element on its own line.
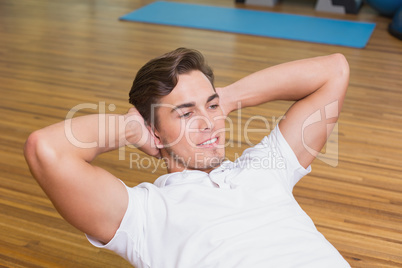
<point x="206" y="125"/>
<point x="204" y="122"/>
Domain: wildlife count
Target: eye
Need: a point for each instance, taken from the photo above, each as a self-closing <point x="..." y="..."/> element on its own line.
<point x="185" y="115"/>
<point x="214" y="106"/>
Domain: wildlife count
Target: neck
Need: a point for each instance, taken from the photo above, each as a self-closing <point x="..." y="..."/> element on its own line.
<point x="179" y="165"/>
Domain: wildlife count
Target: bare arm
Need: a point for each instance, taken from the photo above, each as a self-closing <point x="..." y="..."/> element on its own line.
<point x="318" y="85"/>
<point x="88" y="197"/>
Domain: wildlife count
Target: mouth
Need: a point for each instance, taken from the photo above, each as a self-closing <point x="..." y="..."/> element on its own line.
<point x="209" y="143"/>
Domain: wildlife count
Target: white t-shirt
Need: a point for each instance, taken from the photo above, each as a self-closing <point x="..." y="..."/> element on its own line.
<point x="242" y="214"/>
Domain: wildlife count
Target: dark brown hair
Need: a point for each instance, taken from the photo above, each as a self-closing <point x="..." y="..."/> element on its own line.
<point x="159" y="76"/>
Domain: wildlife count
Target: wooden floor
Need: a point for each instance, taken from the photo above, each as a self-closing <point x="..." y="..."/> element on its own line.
<point x="57" y="54"/>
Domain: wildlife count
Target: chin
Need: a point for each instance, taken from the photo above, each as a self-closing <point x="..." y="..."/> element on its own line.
<point x="211" y="162"/>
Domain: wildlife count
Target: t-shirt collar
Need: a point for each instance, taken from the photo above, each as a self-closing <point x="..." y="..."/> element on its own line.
<point x="190" y="176"/>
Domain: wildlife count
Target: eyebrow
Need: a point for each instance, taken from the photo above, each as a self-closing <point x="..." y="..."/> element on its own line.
<point x="212" y="97"/>
<point x="192" y="104"/>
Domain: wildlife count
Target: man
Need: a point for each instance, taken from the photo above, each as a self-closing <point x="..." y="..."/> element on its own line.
<point x="206" y="212"/>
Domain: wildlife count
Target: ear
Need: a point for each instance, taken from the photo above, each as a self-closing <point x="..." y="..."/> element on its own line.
<point x="155" y="137"/>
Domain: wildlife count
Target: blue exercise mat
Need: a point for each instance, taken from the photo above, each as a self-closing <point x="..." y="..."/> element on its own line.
<point x="260" y="23"/>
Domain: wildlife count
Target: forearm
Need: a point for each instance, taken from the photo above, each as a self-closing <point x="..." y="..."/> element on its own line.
<point x="289" y="81"/>
<point x="86" y="137"/>
<point x="89" y="136"/>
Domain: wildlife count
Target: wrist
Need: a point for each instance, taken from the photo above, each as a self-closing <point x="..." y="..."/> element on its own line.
<point x="228" y="100"/>
<point x="133" y="130"/>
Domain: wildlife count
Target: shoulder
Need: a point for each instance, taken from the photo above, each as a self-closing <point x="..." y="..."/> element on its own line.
<point x="272" y="146"/>
<point x="273" y="154"/>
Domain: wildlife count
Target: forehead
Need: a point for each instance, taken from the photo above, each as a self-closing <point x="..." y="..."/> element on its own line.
<point x="191" y="87"/>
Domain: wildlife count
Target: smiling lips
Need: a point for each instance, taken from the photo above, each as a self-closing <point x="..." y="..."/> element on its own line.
<point x="208" y="142"/>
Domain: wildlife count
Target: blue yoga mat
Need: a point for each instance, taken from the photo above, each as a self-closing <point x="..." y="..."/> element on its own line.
<point x="260" y="23"/>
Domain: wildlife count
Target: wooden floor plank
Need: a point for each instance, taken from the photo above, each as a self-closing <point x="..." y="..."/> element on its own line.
<point x="57" y="54"/>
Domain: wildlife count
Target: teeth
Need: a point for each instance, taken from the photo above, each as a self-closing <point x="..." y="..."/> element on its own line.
<point x="209" y="141"/>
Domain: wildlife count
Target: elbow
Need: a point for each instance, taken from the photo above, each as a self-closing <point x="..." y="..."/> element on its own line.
<point x="30" y="147"/>
<point x="341" y="66"/>
<point x="36" y="151"/>
<point x="340" y="73"/>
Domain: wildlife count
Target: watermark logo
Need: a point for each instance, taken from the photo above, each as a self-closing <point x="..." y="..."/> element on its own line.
<point x="271" y="160"/>
<point x="327" y="119"/>
<point x="236" y="132"/>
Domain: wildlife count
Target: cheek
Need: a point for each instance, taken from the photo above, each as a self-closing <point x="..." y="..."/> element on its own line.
<point x="174" y="131"/>
<point x="220" y="126"/>
<point x="190" y="137"/>
<point x="221" y="122"/>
